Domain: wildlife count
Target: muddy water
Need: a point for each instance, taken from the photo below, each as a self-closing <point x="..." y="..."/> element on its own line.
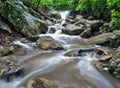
<point x="60" y="65"/>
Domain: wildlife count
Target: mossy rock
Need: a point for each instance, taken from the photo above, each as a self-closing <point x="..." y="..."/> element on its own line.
<point x="115" y="64"/>
<point x="20" y="16"/>
<point x="115" y="39"/>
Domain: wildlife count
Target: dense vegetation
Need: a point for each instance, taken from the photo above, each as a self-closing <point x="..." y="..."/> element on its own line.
<point x="102" y="9"/>
<point x="108" y="10"/>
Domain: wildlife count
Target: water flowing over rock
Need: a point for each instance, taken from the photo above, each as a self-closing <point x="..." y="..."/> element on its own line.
<point x="8" y="68"/>
<point x="47" y="42"/>
<point x="44" y="83"/>
<point x="115" y="64"/>
<point x="19" y="15"/>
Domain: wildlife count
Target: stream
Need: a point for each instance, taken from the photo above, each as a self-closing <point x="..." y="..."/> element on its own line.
<point x="58" y="65"/>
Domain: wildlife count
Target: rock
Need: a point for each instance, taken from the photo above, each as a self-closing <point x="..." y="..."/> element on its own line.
<point x="54" y="14"/>
<point x="105" y="28"/>
<point x="51" y="29"/>
<point x="68" y="20"/>
<point x="99" y="39"/>
<point x="90" y="18"/>
<point x="49" y="23"/>
<point x="86" y="33"/>
<point x="8" y="68"/>
<point x="72" y="29"/>
<point x="4" y="27"/>
<point x="102" y="66"/>
<point x="78" y="17"/>
<point x="45" y="83"/>
<point x="104" y="54"/>
<point x="105" y="58"/>
<point x="94" y="24"/>
<point x="82" y="52"/>
<point x="115" y="39"/>
<point x="20" y="16"/>
<point x="47" y="42"/>
<point x="104" y="51"/>
<point x="33" y="38"/>
<point x="114" y="66"/>
<point x="24" y="40"/>
<point x="7" y="50"/>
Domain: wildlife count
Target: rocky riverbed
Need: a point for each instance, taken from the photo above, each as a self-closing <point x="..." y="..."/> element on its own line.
<point x="67" y="52"/>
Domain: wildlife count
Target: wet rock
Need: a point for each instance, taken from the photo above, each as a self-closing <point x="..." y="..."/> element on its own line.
<point x="33" y="38"/>
<point x="20" y="16"/>
<point x="99" y="39"/>
<point x="49" y="23"/>
<point x="47" y="42"/>
<point x="104" y="51"/>
<point x="105" y="58"/>
<point x="115" y="39"/>
<point x="45" y="83"/>
<point x="105" y="28"/>
<point x="68" y="20"/>
<point x="102" y="66"/>
<point x="6" y="50"/>
<point x="82" y="52"/>
<point x="24" y="40"/>
<point x="114" y="66"/>
<point x="94" y="24"/>
<point x="86" y="33"/>
<point x="54" y="14"/>
<point x="72" y="29"/>
<point x="78" y="17"/>
<point x="104" y="54"/>
<point x="9" y="68"/>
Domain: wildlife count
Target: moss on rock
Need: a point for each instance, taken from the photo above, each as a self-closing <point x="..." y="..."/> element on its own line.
<point x="20" y="16"/>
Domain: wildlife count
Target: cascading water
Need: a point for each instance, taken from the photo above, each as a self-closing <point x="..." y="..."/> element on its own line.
<point x="90" y="73"/>
<point x="59" y="65"/>
<point x="26" y="46"/>
<point x="57" y="28"/>
<point x="64" y="14"/>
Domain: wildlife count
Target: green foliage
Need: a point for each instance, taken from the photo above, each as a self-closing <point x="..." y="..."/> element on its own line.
<point x="114" y="6"/>
<point x="95" y="6"/>
<point x="63" y="4"/>
<point x="83" y="5"/>
<point x="56" y="4"/>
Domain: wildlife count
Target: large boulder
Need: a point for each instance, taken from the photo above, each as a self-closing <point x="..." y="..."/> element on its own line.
<point x="99" y="39"/>
<point x="114" y="66"/>
<point x="20" y="16"/>
<point x="47" y="42"/>
<point x="72" y="29"/>
<point x="45" y="83"/>
<point x="9" y="68"/>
